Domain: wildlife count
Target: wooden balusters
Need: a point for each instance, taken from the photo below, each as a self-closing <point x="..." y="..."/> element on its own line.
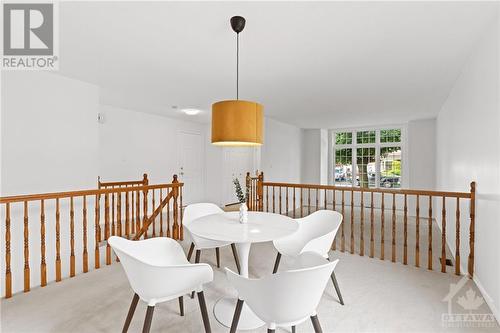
<point x="132" y="220"/>
<point x="382" y="228"/>
<point x="308" y="201"/>
<point x="325" y="201"/>
<point x="145" y="211"/>
<point x="72" y="237"/>
<point x="168" y="218"/>
<point x="267" y="199"/>
<point x="113" y="224"/>
<point x="405" y="232"/>
<point x="352" y="222"/>
<point x="58" y="242"/>
<point x="429" y="238"/>
<point x="274" y="208"/>
<point x="26" y="250"/>
<point x="443" y="237"/>
<point x="457" y="238"/>
<point x="472" y="229"/>
<point x="175" y="229"/>
<point x="372" y="229"/>
<point x="286" y="188"/>
<point x="97" y="260"/>
<point x="294" y="206"/>
<point x="138" y="212"/>
<point x="317" y="202"/>
<point x="119" y="215"/>
<point x="301" y="203"/>
<point x="362" y="226"/>
<point x="279" y="189"/>
<point x="161" y="214"/>
<point x="342" y="231"/>
<point x="181" y="234"/>
<point x="43" y="262"/>
<point x="153" y="209"/>
<point x="417" y="232"/>
<point x="393" y="237"/>
<point x="8" y="273"/>
<point x="107" y="228"/>
<point x="85" y="255"/>
<point x="127" y="217"/>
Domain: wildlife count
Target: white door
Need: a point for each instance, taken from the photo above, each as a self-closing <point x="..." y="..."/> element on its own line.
<point x="190" y="166"/>
<point x="237" y="162"/>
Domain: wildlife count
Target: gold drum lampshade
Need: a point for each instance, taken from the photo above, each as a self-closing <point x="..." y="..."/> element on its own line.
<point x="237" y="123"/>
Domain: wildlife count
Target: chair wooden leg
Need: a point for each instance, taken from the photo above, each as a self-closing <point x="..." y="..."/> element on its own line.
<point x="217" y="255"/>
<point x="236" y="316"/>
<point x="204" y="313"/>
<point x="337" y="288"/>
<point x="148" y="319"/>
<point x="316" y="325"/>
<point x="270" y="330"/>
<point x="190" y="253"/>
<point x="293" y="329"/>
<point x="196" y="261"/>
<point x="277" y="263"/>
<point x="181" y="305"/>
<point x="235" y="255"/>
<point x="130" y="314"/>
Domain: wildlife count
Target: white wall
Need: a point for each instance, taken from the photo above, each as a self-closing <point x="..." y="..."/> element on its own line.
<point x="281" y="152"/>
<point x="468" y="149"/>
<point x="49" y="143"/>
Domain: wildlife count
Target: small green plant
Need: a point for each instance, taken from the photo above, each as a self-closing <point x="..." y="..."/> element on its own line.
<point x="239" y="191"/>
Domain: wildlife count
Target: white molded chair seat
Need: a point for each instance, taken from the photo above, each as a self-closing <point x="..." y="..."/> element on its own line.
<point x="287" y="298"/>
<point x="158" y="271"/>
<point x="316" y="233"/>
<point x="193" y="212"/>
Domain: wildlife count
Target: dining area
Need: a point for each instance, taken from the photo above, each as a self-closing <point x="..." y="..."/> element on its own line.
<point x="159" y="270"/>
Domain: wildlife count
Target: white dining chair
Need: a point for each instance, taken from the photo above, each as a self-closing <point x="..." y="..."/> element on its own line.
<point x="191" y="213"/>
<point x="287" y="298"/>
<point x="315" y="234"/>
<point x="158" y="271"/>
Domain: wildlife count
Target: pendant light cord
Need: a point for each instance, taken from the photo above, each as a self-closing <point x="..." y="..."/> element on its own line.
<point x="237" y="64"/>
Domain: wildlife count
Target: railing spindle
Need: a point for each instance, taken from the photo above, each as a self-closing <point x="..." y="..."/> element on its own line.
<point x="274" y="210"/>
<point x="443" y="237"/>
<point x="138" y="212"/>
<point x="72" y="238"/>
<point x="153" y="209"/>
<point x="58" y="242"/>
<point x="26" y="250"/>
<point x="372" y="229"/>
<point x="267" y="198"/>
<point x="382" y="228"/>
<point x="181" y="234"/>
<point x="286" y="188"/>
<point x="113" y="224"/>
<point x="301" y="203"/>
<point x="352" y="222"/>
<point x="43" y="263"/>
<point x="85" y="255"/>
<point x="317" y="200"/>
<point x="342" y="239"/>
<point x="168" y="216"/>
<point x="429" y="239"/>
<point x="97" y="260"/>
<point x="334" y="245"/>
<point x="294" y="206"/>
<point x="161" y="215"/>
<point x="393" y="240"/>
<point x="472" y="229"/>
<point x="362" y="227"/>
<point x="325" y="203"/>
<point x="279" y="189"/>
<point x="8" y="273"/>
<point x="417" y="233"/>
<point x="107" y="228"/>
<point x="127" y="217"/>
<point x="457" y="238"/>
<point x="132" y="220"/>
<point x="405" y="232"/>
<point x="119" y="215"/>
<point x="308" y="201"/>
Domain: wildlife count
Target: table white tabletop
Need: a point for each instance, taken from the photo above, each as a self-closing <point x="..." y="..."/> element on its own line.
<point x="261" y="227"/>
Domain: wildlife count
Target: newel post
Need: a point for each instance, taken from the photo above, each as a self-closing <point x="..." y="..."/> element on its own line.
<point x="175" y="195"/>
<point x="145" y="182"/>
<point x="260" y="192"/>
<point x="472" y="228"/>
<point x="248" y="190"/>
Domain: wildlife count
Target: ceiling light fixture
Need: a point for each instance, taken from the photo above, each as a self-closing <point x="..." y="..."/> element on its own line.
<point x="191" y="112"/>
<point x="237" y="122"/>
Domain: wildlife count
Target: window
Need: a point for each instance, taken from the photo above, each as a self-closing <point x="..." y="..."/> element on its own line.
<point x="367" y="158"/>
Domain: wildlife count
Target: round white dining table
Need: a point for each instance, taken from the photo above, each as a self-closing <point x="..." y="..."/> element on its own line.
<point x="261" y="227"/>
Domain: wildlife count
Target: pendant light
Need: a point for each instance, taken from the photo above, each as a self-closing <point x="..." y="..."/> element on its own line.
<point x="237" y="122"/>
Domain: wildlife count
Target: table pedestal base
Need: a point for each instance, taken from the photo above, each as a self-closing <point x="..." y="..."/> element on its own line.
<point x="224" y="312"/>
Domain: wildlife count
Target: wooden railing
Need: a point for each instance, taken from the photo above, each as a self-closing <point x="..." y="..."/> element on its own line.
<point x="123" y="206"/>
<point x="374" y="215"/>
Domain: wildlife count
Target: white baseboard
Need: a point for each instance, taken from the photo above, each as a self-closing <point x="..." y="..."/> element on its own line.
<point x="487" y="298"/>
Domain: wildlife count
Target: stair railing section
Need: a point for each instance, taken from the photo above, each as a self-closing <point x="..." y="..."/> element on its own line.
<point x="383" y="222"/>
<point x="52" y="235"/>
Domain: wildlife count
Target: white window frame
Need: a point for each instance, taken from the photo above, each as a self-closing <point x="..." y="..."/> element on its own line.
<point x="377" y="145"/>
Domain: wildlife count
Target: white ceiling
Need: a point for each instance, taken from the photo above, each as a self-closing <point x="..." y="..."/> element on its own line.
<point x="312" y="64"/>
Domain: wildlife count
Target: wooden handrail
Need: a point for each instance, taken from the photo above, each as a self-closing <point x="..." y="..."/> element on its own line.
<point x="55" y="195"/>
<point x="433" y="193"/>
<point x="143" y="181"/>
<point x="352" y="230"/>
